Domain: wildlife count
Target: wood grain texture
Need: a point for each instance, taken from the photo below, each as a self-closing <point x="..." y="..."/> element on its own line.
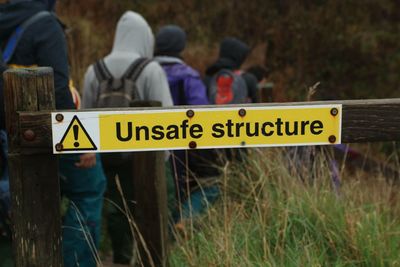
<point x="150" y="191"/>
<point x="38" y="123"/>
<point x="151" y="215"/>
<point x="34" y="182"/>
<point x="35" y="210"/>
<point x="371" y="122"/>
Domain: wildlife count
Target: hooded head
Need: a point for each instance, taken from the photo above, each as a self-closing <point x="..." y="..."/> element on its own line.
<point x="49" y="4"/>
<point x="234" y="50"/>
<point x="232" y="54"/>
<point x="170" y="41"/>
<point x="14" y="12"/>
<point x="133" y="35"/>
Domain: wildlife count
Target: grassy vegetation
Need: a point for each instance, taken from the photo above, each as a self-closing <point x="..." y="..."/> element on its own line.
<point x="350" y="47"/>
<point x="266" y="217"/>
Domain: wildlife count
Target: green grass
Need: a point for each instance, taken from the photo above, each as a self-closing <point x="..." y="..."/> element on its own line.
<point x="267" y="217"/>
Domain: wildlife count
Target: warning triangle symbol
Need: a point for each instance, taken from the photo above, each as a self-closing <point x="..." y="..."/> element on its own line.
<point x="76" y="137"/>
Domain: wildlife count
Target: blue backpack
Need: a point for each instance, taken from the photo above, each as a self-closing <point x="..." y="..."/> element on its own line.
<point x="5" y="56"/>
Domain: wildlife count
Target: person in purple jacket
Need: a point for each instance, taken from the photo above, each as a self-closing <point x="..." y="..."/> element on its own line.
<point x="185" y="83"/>
<point x="195" y="168"/>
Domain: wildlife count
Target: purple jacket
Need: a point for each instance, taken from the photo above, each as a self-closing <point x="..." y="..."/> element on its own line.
<point x="184" y="82"/>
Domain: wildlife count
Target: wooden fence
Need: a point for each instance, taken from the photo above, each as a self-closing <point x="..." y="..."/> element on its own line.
<point x="29" y="99"/>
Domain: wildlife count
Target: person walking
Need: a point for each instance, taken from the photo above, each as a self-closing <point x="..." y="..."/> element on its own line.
<point x="31" y="35"/>
<point x="232" y="53"/>
<point x="228" y="84"/>
<point x="129" y="70"/>
<point x="190" y="168"/>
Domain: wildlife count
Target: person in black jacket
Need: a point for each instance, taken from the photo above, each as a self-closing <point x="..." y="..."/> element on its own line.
<point x="42" y="45"/>
<point x="82" y="179"/>
<point x="232" y="53"/>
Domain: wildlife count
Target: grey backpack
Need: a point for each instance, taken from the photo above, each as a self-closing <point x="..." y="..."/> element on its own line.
<point x="119" y="92"/>
<point x="227" y="87"/>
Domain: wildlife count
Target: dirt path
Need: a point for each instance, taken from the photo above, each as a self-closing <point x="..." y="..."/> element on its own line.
<point x="108" y="263"/>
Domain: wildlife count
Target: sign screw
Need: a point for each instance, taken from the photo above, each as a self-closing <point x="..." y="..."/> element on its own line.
<point x="29" y="135"/>
<point x="332" y="139"/>
<point x="242" y="112"/>
<point x="192" y="144"/>
<point x="190" y="113"/>
<point x="243" y="143"/>
<point x="59" y="147"/>
<point x="334" y="111"/>
<point x="59" y="117"/>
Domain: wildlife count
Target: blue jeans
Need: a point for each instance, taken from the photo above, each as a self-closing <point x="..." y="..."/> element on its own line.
<point x="197" y="203"/>
<point x="4" y="184"/>
<point x="5" y="200"/>
<point x="6" y="259"/>
<point x="84" y="189"/>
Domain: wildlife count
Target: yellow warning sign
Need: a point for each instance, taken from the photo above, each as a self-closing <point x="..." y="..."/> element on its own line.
<point x="233" y="127"/>
<point x="211" y="127"/>
<point x="76" y="138"/>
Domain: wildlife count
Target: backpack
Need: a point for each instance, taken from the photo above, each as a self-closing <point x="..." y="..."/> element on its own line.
<point x="119" y="92"/>
<point x="15" y="37"/>
<point x="12" y="43"/>
<point x="115" y="93"/>
<point x="227" y="87"/>
<point x="176" y="86"/>
<point x="9" y="47"/>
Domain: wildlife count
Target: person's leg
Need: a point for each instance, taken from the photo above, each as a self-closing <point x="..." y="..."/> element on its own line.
<point x="4" y="152"/>
<point x="171" y="189"/>
<point x="4" y="179"/>
<point x="199" y="200"/>
<point x="117" y="222"/>
<point x="81" y="224"/>
<point x="6" y="259"/>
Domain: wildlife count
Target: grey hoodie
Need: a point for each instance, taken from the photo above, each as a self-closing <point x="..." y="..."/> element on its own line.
<point x="133" y="39"/>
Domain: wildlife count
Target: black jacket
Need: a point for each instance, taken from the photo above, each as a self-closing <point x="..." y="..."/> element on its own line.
<point x="42" y="44"/>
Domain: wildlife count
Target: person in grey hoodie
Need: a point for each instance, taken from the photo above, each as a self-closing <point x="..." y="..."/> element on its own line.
<point x="133" y="39"/>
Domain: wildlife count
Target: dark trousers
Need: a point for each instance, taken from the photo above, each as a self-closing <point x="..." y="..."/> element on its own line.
<point x="116" y="215"/>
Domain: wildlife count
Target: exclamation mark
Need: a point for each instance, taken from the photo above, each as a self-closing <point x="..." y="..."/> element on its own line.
<point x="76" y="131"/>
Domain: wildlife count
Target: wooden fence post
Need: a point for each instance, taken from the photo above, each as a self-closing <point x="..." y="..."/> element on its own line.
<point x="35" y="190"/>
<point x="150" y="193"/>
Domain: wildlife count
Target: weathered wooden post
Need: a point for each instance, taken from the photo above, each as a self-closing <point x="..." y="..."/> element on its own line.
<point x="151" y="206"/>
<point x="150" y="194"/>
<point x="34" y="182"/>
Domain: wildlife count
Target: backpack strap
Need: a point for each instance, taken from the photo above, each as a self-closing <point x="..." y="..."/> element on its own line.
<point x="181" y="93"/>
<point x="134" y="70"/>
<point x="18" y="32"/>
<point x="101" y="71"/>
<point x="181" y="85"/>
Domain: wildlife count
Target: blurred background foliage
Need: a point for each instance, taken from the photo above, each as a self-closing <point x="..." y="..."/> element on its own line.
<point x="351" y="47"/>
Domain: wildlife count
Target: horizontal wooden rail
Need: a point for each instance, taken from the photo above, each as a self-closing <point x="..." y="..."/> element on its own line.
<point x="362" y="121"/>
